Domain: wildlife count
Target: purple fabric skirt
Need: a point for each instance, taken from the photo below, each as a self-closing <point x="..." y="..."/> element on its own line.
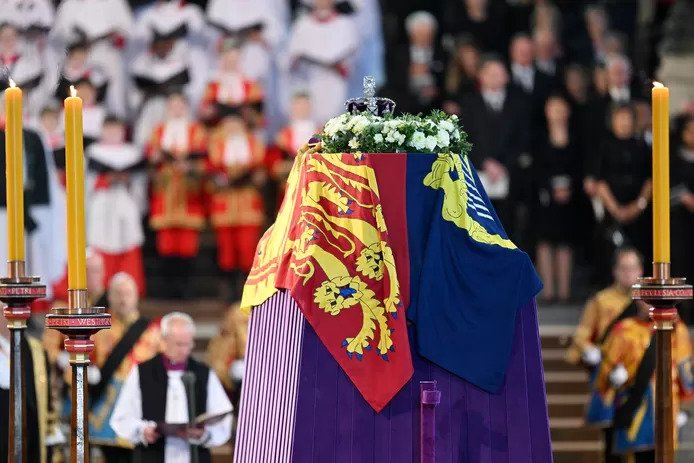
<point x="298" y="406"/>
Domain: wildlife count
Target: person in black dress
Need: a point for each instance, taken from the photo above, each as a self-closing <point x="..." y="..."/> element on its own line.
<point x="624" y="184"/>
<point x="682" y="187"/>
<point x="557" y="179"/>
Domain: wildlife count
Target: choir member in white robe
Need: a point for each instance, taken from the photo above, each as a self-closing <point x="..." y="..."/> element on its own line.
<point x="76" y="67"/>
<point x="168" y="66"/>
<point x="93" y="112"/>
<point x="370" y="57"/>
<point x="28" y="16"/>
<point x="154" y="392"/>
<point x="321" y="50"/>
<point x="173" y="18"/>
<point x="22" y="63"/>
<point x="259" y="27"/>
<point x="116" y="188"/>
<point x="106" y="25"/>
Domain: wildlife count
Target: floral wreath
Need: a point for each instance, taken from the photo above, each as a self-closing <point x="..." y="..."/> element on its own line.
<point x="367" y="133"/>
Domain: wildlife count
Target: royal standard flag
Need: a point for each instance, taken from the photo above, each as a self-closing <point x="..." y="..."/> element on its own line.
<point x="365" y="241"/>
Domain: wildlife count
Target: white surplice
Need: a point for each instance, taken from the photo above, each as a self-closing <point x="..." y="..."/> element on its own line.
<point x="128" y="424"/>
<point x="322" y="42"/>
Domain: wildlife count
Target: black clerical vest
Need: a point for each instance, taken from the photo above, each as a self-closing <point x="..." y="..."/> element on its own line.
<point x="153" y="386"/>
<point x="33" y="435"/>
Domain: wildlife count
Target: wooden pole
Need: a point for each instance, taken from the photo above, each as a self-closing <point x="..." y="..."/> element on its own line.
<point x="664" y="418"/>
<point x="662" y="292"/>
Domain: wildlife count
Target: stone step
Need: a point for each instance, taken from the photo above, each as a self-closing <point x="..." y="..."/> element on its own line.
<point x="577" y="452"/>
<point x="572" y="429"/>
<point x="566" y="405"/>
<point x="553" y="360"/>
<point x="553" y="341"/>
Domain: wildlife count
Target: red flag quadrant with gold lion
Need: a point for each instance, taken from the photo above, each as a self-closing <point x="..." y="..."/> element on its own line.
<point x="330" y="248"/>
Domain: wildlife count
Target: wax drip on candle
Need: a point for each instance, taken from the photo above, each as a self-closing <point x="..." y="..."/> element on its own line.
<point x="657" y="84"/>
<point x="73" y="91"/>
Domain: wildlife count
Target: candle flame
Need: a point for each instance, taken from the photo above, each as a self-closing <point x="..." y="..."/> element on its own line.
<point x="657" y="84"/>
<point x="73" y="91"/>
<point x="12" y="84"/>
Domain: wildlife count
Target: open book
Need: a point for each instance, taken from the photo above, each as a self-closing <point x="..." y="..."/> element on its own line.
<point x="176" y="429"/>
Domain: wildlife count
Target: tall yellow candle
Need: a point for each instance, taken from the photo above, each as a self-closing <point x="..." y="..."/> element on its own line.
<point x="661" y="172"/>
<point x="14" y="163"/>
<point x="74" y="172"/>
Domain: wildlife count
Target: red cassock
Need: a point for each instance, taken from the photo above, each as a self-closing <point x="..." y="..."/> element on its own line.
<point x="177" y="209"/>
<point x="236" y="210"/>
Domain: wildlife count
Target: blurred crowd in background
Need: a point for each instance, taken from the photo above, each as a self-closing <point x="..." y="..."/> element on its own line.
<point x="193" y="112"/>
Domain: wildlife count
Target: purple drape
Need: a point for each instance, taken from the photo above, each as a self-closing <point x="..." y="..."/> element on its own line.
<point x="332" y="422"/>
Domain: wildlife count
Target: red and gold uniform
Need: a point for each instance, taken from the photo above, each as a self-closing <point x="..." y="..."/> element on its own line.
<point x="177" y="149"/>
<point x="598" y="314"/>
<point x="236" y="210"/>
<point x="232" y="91"/>
<point x="626" y="345"/>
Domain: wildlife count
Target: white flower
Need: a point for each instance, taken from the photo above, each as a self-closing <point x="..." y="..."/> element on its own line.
<point x="335" y="125"/>
<point x="399" y="137"/>
<point x="446" y="125"/>
<point x="378" y="138"/>
<point x="430" y="143"/>
<point x="418" y="140"/>
<point x="360" y="123"/>
<point x="456" y="134"/>
<point x="353" y="143"/>
<point x="443" y="139"/>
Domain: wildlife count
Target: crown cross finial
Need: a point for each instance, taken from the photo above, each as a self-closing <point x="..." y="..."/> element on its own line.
<point x="377" y="106"/>
<point x="370" y="94"/>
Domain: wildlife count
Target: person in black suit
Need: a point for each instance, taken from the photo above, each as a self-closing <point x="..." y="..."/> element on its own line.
<point x="527" y="77"/>
<point x="496" y="120"/>
<point x="547" y="55"/>
<point x="415" y="77"/>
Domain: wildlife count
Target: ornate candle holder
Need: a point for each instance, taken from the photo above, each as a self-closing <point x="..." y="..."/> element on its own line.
<point x="663" y="292"/>
<point x="18" y="291"/>
<point x="79" y="322"/>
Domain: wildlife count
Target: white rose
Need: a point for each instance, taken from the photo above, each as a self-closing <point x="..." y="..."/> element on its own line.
<point x="456" y="134"/>
<point x="378" y="138"/>
<point x="418" y="140"/>
<point x="400" y="138"/>
<point x="353" y="143"/>
<point x="390" y="138"/>
<point x="443" y="139"/>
